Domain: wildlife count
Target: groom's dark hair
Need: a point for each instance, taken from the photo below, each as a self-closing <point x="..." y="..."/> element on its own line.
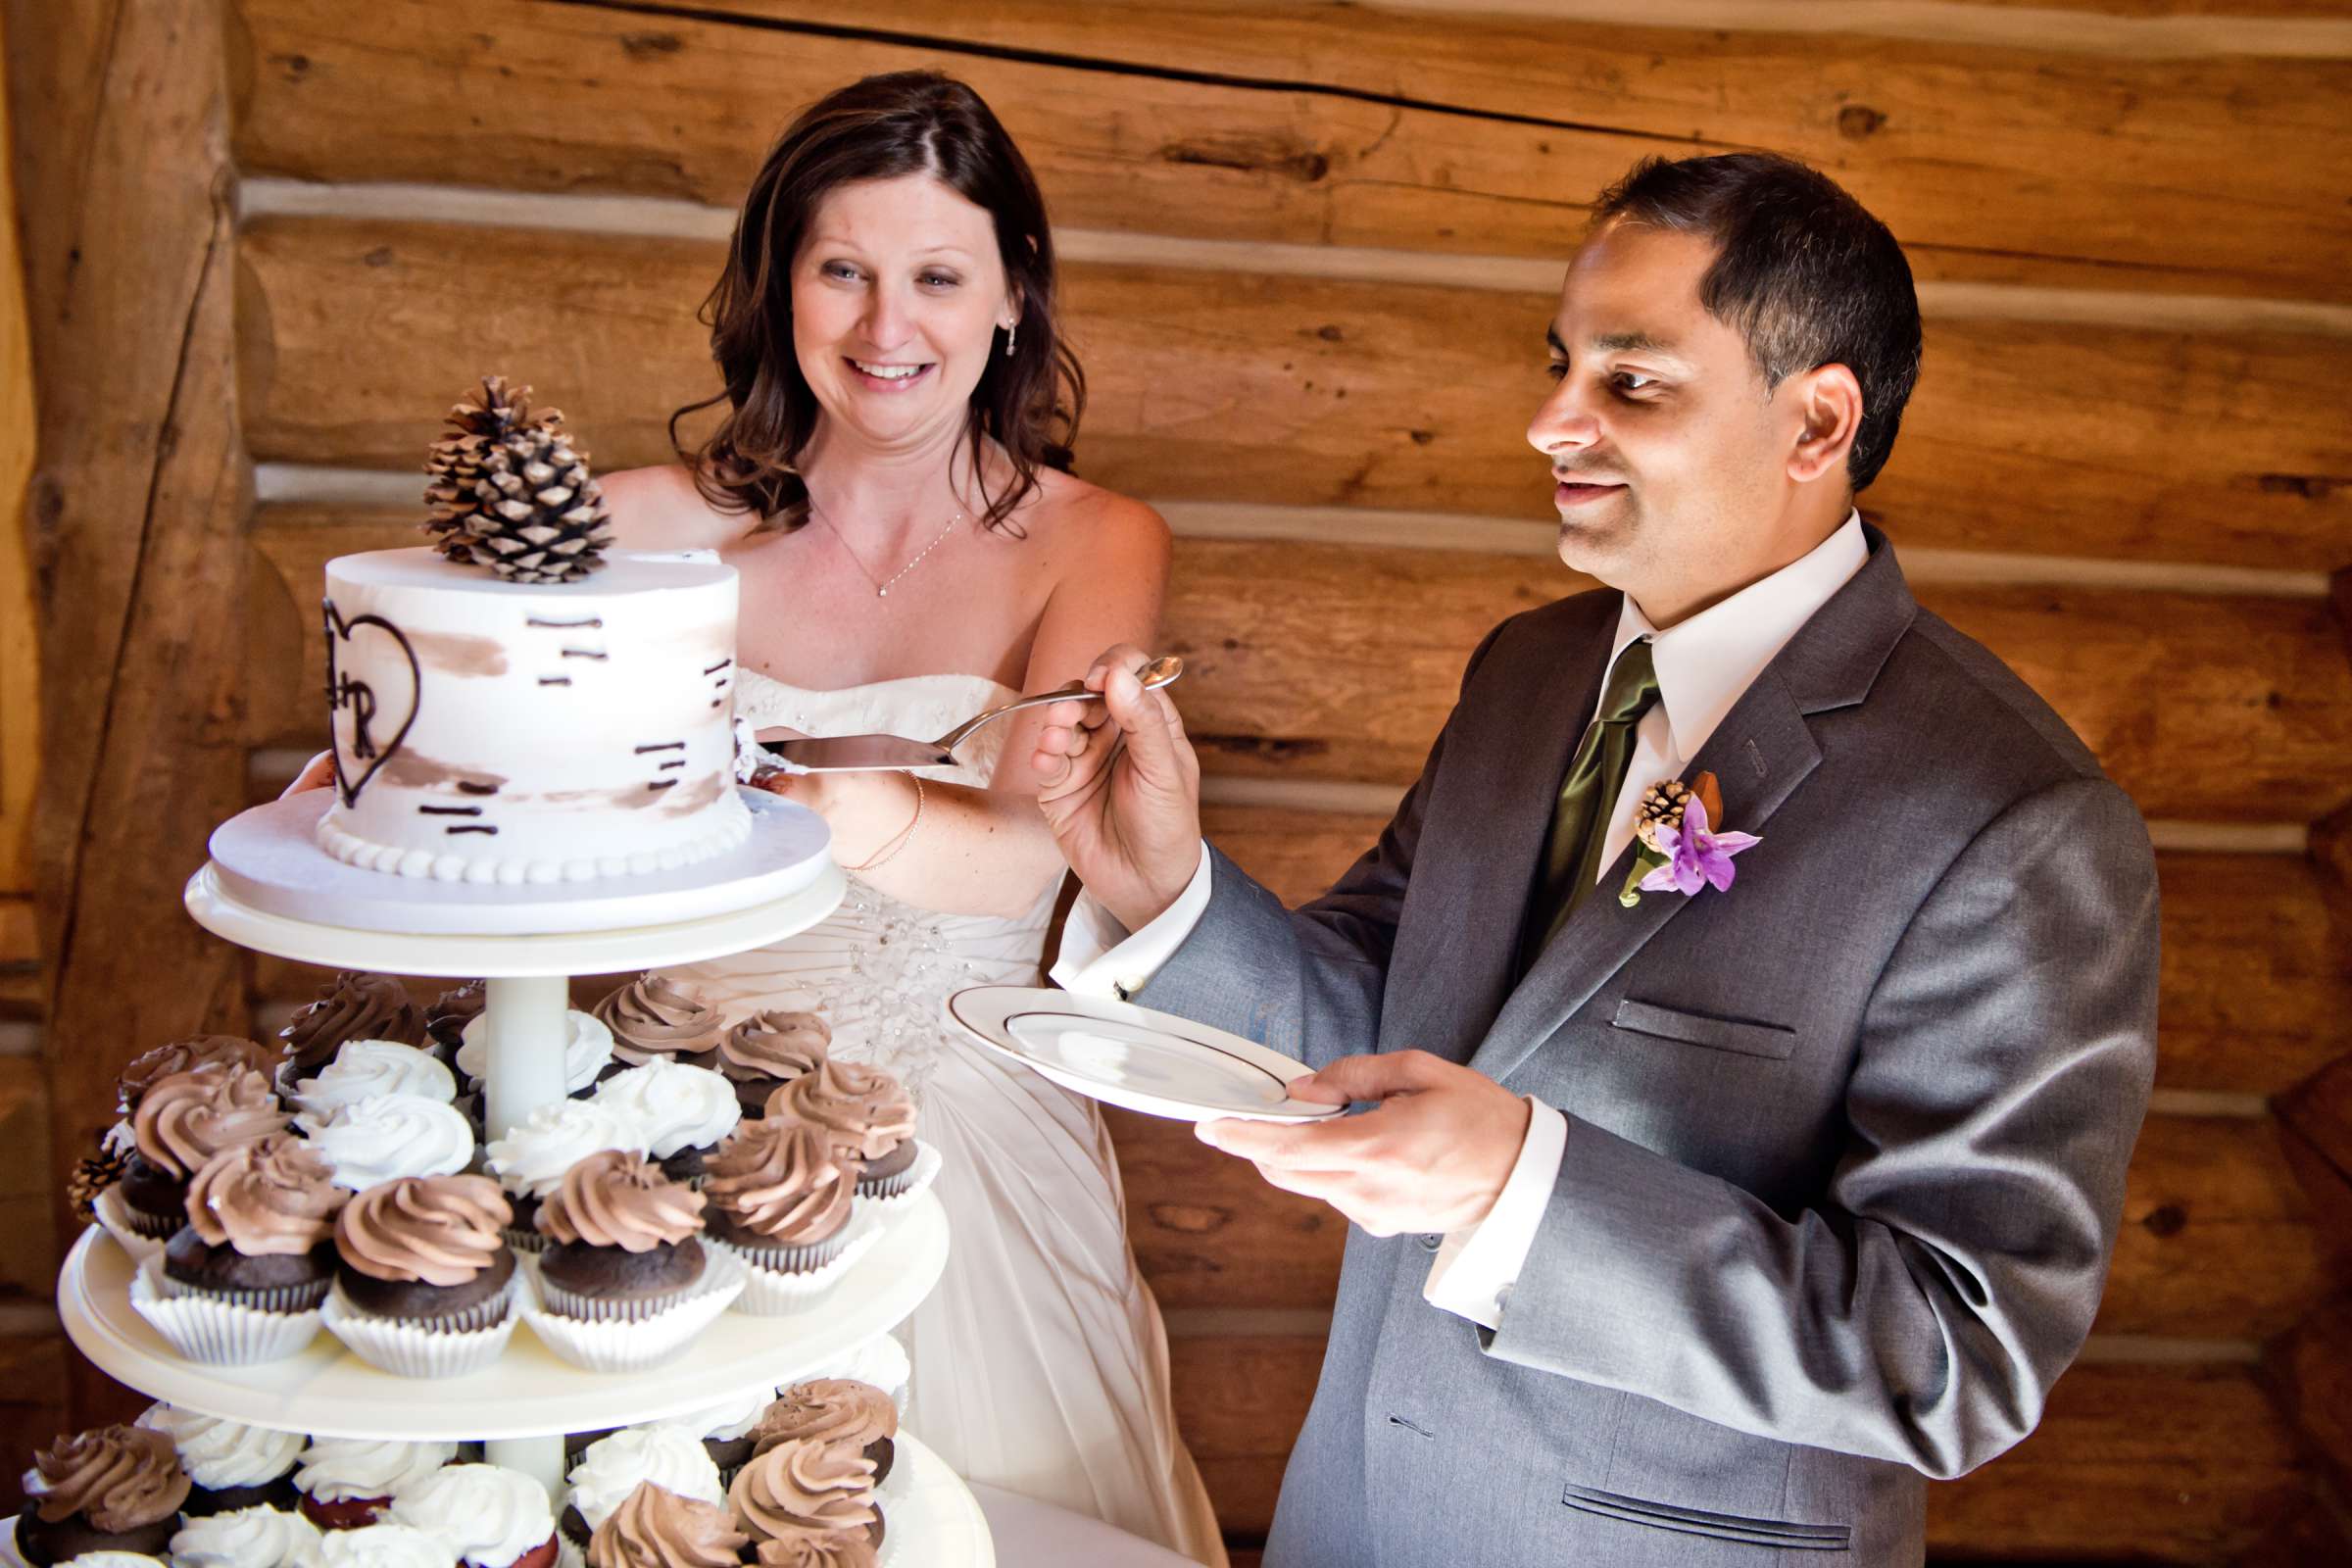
<point x="1803" y="272"/>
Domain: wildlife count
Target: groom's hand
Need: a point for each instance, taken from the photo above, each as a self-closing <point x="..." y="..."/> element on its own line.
<point x="1432" y="1156"/>
<point x="1120" y="787"/>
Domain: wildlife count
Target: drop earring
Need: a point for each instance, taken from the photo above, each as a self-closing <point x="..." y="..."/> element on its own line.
<point x="1012" y="332"/>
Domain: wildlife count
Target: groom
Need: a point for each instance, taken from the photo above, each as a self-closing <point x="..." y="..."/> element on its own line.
<point x="1691" y="1227"/>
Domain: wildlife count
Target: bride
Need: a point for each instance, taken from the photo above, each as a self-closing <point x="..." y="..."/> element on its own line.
<point x="889" y="477"/>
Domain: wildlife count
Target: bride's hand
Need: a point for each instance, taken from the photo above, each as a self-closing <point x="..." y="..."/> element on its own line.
<point x="1121" y="790"/>
<point x="317" y="774"/>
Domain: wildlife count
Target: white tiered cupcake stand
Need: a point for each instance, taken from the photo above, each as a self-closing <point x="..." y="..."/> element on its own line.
<point x="265" y="890"/>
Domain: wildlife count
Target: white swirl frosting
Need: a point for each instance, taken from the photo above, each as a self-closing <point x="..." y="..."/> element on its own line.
<point x="673" y="1106"/>
<point x="723" y="1423"/>
<point x="384" y="1545"/>
<point x="531" y="1159"/>
<point x="247" y="1538"/>
<point x="112" y="1559"/>
<point x="483" y="1513"/>
<point x="667" y="1455"/>
<point x="365" y="1069"/>
<point x="382" y="1139"/>
<point x="342" y="1469"/>
<point x="587" y="1049"/>
<point x="220" y="1454"/>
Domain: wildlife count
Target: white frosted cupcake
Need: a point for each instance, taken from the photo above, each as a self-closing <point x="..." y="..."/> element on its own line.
<point x="683" y="1112"/>
<point x="345" y="1483"/>
<point x="385" y="1545"/>
<point x="370" y="1069"/>
<point x="725" y="1430"/>
<point x="486" y="1515"/>
<point x="377" y="1141"/>
<point x="259" y="1536"/>
<point x="669" y="1456"/>
<point x="531" y="1160"/>
<point x="587" y="1051"/>
<point x="230" y="1466"/>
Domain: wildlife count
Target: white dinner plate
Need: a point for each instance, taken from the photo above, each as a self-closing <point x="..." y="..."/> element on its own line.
<point x="1127" y="1055"/>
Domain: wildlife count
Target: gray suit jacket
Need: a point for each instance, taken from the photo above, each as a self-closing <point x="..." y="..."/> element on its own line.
<point x="1846" y="1142"/>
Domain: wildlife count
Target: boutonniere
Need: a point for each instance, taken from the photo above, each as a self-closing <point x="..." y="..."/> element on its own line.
<point x="1679" y="851"/>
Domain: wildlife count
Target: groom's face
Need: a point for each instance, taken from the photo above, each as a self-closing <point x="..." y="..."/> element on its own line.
<point x="1669" y="459"/>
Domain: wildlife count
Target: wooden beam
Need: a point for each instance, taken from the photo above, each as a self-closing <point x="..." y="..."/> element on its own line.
<point x="123" y="176"/>
<point x="2172" y="1464"/>
<point x="1317" y="392"/>
<point x="20" y="650"/>
<point x="1357" y="125"/>
<point x="2310" y="1370"/>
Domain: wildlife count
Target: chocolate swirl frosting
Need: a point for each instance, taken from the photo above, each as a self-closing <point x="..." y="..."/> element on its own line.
<point x="441" y="1230"/>
<point x="653" y="1016"/>
<point x="655" y="1528"/>
<point x="829" y="1548"/>
<point x="356" y="1007"/>
<point x="827" y="1411"/>
<point x="617" y="1199"/>
<point x="186" y="1119"/>
<point x="774" y="1045"/>
<point x="452" y="1011"/>
<point x="185" y="1055"/>
<point x="799" y="1486"/>
<point x="272" y="1196"/>
<point x="118" y="1478"/>
<point x="863" y="1109"/>
<point x="781" y="1180"/>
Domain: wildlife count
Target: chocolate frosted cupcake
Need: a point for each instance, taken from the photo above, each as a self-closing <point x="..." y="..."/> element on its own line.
<point x="488" y="1515"/>
<point x="530" y="1163"/>
<point x="452" y="1011"/>
<point x="682" y="1113"/>
<point x="828" y="1549"/>
<point x="426" y="1286"/>
<point x="780" y="1197"/>
<point x="869" y="1114"/>
<point x="230" y="1466"/>
<point x="116" y="1489"/>
<point x="184" y="1120"/>
<point x="654" y="1526"/>
<point x="834" y="1410"/>
<point x="615" y="1466"/>
<point x="800" y="1488"/>
<point x="623" y="1240"/>
<point x="187" y="1056"/>
<point x="356" y="1007"/>
<point x="260" y="1230"/>
<point x="344" y="1482"/>
<point x="769" y="1050"/>
<point x="653" y="1016"/>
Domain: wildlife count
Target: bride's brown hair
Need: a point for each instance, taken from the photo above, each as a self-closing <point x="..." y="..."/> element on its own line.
<point x="905" y="123"/>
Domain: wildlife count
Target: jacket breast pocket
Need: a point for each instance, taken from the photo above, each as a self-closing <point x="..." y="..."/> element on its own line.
<point x="1736" y="1034"/>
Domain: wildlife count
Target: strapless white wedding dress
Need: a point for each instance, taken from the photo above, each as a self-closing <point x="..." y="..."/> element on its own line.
<point x="1040" y="1363"/>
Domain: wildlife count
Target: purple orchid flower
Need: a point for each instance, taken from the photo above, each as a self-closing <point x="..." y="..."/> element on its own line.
<point x="1695" y="856"/>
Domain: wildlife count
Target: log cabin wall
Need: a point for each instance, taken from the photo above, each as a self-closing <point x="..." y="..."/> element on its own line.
<point x="1309" y="251"/>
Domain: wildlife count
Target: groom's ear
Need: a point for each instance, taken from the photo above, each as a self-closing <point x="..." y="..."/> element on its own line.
<point x="1829" y="405"/>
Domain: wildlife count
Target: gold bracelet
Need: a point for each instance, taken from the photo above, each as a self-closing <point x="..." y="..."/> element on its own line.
<point x="899" y="841"/>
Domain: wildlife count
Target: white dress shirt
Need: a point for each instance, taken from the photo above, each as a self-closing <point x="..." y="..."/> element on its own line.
<point x="1704" y="665"/>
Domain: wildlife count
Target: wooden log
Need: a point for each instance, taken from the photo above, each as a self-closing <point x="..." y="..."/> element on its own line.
<point x="20" y="613"/>
<point x="1312" y="391"/>
<point x="2163" y="1463"/>
<point x="33" y="1410"/>
<point x="1358" y="126"/>
<point x="2312" y="1371"/>
<point x="140" y="504"/>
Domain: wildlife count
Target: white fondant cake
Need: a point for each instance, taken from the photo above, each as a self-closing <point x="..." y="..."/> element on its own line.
<point x="487" y="731"/>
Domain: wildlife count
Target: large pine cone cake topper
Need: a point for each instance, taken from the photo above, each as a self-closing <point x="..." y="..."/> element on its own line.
<point x="509" y="493"/>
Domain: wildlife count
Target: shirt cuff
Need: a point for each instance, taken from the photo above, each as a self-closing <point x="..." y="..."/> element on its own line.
<point x="1100" y="958"/>
<point x="1476" y="1268"/>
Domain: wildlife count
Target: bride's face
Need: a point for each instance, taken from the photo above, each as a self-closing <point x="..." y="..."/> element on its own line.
<point x="897" y="296"/>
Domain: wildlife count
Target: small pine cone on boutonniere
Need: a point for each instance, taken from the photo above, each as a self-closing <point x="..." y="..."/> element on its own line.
<point x="1661" y="807"/>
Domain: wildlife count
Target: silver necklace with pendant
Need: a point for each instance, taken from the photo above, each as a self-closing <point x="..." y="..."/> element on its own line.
<point x="882" y="589"/>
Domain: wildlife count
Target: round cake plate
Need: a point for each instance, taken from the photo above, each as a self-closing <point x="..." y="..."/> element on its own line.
<point x="328" y="1392"/>
<point x="267" y="861"/>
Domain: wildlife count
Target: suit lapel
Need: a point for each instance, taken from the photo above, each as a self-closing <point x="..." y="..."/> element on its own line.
<point x="1759" y="755"/>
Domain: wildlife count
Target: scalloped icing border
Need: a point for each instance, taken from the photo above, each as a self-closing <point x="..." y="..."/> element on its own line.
<point x="482" y="870"/>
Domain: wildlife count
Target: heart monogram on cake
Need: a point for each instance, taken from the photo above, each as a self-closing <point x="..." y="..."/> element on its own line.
<point x="364" y="735"/>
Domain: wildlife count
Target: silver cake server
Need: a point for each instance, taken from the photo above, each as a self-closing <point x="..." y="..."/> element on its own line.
<point x="853" y="754"/>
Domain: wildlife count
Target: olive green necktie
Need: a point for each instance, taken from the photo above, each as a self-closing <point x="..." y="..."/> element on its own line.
<point x="1580" y="824"/>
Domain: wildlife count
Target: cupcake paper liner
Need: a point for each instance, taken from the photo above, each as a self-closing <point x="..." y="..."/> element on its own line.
<point x="524" y="1241"/>
<point x="114" y="1214"/>
<point x="274" y="1299"/>
<point x="440" y="1349"/>
<point x="766" y="1293"/>
<point x="214" y="1332"/>
<point x="634" y="1344"/>
<point x="568" y="1555"/>
<point x="10" y="1556"/>
<point x="896" y="1192"/>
